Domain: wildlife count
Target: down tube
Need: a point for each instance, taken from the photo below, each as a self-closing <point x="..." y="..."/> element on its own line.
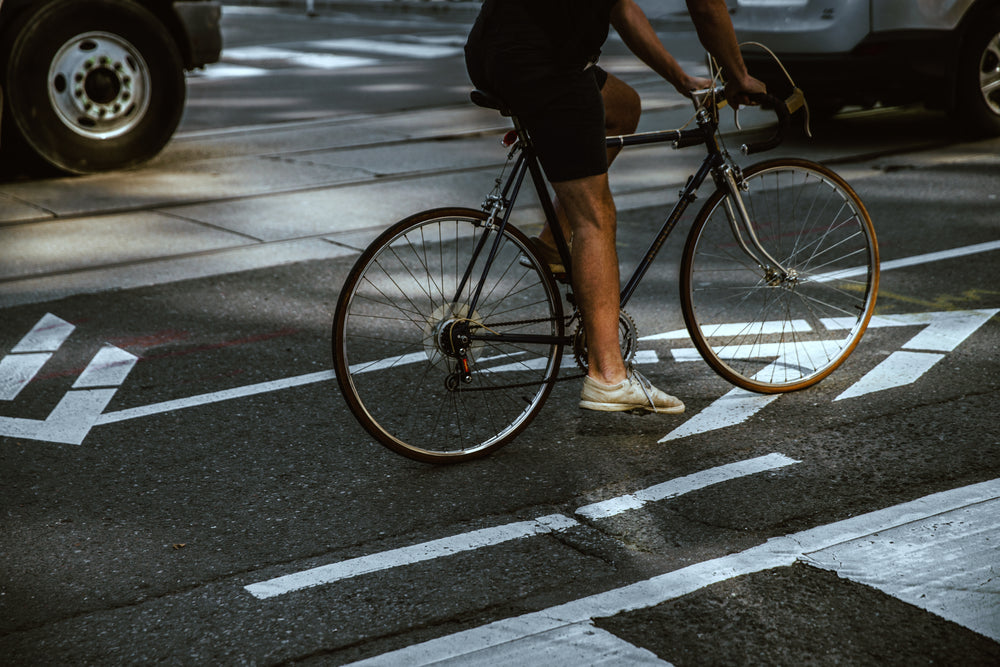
<point x="687" y="196"/>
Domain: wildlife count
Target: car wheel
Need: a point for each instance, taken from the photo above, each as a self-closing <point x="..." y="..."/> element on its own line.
<point x="94" y="85"/>
<point x="979" y="77"/>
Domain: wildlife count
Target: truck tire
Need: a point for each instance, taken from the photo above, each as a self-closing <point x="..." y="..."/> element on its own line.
<point x="93" y="85"/>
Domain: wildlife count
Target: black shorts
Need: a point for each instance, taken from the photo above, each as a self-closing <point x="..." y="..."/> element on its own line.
<point x="560" y="105"/>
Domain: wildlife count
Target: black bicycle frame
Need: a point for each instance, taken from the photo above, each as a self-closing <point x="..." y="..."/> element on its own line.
<point x="527" y="162"/>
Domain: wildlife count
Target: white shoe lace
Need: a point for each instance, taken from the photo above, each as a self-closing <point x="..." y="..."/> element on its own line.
<point x="645" y="385"/>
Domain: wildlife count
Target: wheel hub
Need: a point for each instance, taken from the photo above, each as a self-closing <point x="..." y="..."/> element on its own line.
<point x="989" y="74"/>
<point x="98" y="85"/>
<point x="447" y="333"/>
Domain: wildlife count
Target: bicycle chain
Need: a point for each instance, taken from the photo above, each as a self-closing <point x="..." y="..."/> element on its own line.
<point x="567" y="321"/>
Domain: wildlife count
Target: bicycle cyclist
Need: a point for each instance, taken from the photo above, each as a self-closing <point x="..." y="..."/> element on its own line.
<point x="540" y="58"/>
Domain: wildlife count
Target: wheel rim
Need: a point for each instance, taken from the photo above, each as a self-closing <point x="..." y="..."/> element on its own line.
<point x="989" y="74"/>
<point x="99" y="85"/>
<point x="393" y="360"/>
<point x="774" y="334"/>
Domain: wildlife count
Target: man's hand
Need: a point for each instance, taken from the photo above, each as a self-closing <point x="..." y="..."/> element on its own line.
<point x="692" y="83"/>
<point x="738" y="91"/>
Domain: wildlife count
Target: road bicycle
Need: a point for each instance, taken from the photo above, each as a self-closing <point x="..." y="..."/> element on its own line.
<point x="450" y="331"/>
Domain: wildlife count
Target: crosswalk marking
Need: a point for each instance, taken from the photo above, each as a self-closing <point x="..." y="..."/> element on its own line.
<point x="329" y="55"/>
<point x="504" y="634"/>
<point x="486" y="537"/>
<point x="945" y="564"/>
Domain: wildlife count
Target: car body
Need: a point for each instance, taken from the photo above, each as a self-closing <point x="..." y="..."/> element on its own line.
<point x="943" y="53"/>
<point x="95" y="85"/>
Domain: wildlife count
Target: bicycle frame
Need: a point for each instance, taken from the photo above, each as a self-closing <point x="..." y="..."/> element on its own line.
<point x="715" y="163"/>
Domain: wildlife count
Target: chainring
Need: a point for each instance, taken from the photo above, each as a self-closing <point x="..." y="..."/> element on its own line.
<point x="628" y="339"/>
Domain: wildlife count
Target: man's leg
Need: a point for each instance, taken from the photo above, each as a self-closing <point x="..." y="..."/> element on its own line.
<point x="588" y="204"/>
<point x="622" y="108"/>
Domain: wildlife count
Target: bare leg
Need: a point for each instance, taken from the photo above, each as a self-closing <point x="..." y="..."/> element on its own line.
<point x="587" y="202"/>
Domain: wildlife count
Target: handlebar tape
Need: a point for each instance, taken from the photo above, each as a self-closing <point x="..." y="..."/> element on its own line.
<point x="780" y="109"/>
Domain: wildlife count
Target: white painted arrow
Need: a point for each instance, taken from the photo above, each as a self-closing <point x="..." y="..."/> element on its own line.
<point x="79" y="409"/>
<point x="943" y="332"/>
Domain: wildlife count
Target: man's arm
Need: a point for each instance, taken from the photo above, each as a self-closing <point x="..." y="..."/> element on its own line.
<point x="635" y="30"/>
<point x="715" y="30"/>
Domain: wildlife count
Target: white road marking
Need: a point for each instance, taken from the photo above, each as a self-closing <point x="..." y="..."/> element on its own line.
<point x="328" y="574"/>
<point x="214" y="397"/>
<point x="776" y="552"/>
<point x="380" y="47"/>
<point x="271" y="54"/>
<point x="218" y="71"/>
<point x="897" y="370"/>
<point x="46" y="336"/>
<point x="17" y="370"/>
<point x="738" y="328"/>
<point x="30" y="354"/>
<point x="946" y="564"/>
<point x="682" y="485"/>
<point x="735" y="407"/>
<point x="109" y="368"/>
<point x="567" y="646"/>
<point x="942" y="332"/>
<point x="448" y="546"/>
<point x="915" y="260"/>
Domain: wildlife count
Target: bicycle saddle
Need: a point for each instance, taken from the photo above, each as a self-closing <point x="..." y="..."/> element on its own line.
<point x="481" y="98"/>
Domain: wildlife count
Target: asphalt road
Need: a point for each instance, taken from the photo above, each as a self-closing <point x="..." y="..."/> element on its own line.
<point x="181" y="482"/>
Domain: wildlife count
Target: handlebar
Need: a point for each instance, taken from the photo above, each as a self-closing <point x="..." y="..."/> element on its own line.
<point x="780" y="109"/>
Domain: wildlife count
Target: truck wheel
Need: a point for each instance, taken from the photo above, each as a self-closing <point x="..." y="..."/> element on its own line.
<point x="979" y="76"/>
<point x="94" y="85"/>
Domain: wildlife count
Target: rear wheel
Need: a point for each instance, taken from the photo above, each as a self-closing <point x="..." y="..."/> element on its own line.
<point x="769" y="333"/>
<point x="407" y="317"/>
<point x="93" y="85"/>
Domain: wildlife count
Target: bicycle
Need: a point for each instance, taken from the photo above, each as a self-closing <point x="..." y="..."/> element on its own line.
<point x="449" y="332"/>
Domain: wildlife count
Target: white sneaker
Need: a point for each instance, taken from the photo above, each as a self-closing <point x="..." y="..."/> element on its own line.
<point x="633" y="393"/>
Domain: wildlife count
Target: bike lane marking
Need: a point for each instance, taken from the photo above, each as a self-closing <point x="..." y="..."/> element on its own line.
<point x="31" y="353"/>
<point x="329" y="574"/>
<point x="480" y="645"/>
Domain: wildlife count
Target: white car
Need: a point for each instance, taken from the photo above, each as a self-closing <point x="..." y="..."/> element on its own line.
<point x="944" y="53"/>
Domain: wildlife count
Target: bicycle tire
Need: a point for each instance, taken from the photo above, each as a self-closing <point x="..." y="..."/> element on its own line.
<point x="391" y="366"/>
<point x="773" y="336"/>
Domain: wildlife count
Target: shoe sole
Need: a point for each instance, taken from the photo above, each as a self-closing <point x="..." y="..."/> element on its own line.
<point x="620" y="407"/>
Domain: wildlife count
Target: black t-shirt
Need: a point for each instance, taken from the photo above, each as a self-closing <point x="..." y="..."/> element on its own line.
<point x="566" y="31"/>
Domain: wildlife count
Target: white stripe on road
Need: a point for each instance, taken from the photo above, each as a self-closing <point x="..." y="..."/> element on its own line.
<point x="214" y="397"/>
<point x="403" y="49"/>
<point x="46" y="336"/>
<point x="567" y="646"/>
<point x="416" y="553"/>
<point x="897" y="370"/>
<point x="109" y="368"/>
<point x="31" y="353"/>
<point x="909" y="261"/>
<point x="682" y="485"/>
<point x="946" y="564"/>
<point x="328" y="574"/>
<point x="776" y="552"/>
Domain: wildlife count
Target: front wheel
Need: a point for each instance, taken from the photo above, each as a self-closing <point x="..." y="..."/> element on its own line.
<point x="421" y="359"/>
<point x="766" y="332"/>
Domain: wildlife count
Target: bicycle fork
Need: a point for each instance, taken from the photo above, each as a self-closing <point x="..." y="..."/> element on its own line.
<point x="740" y="223"/>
